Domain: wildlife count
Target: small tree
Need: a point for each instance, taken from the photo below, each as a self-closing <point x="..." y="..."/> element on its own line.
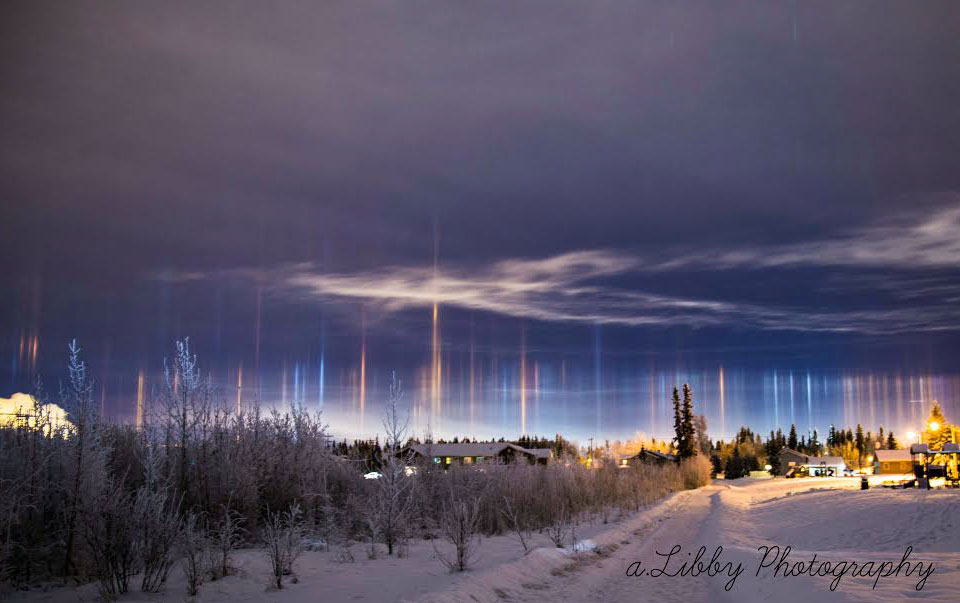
<point x="194" y="547"/>
<point x="224" y="537"/>
<point x="390" y="506"/>
<point x="158" y="526"/>
<point x="283" y="542"/>
<point x="459" y="519"/>
<point x="518" y="522"/>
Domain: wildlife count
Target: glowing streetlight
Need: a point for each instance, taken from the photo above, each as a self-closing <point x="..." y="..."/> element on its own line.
<point x="869" y="458"/>
<point x="934" y="426"/>
<point x="911" y="436"/>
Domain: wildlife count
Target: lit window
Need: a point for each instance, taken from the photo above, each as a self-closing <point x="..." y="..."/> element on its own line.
<point x="449" y="460"/>
<point x="436" y="459"/>
<point x="467" y="460"/>
<point x="479" y="459"/>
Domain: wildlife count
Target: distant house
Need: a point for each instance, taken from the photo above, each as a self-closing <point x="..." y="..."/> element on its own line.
<point x="649" y="457"/>
<point x="466" y="453"/>
<point x="892" y="462"/>
<point x="797" y="464"/>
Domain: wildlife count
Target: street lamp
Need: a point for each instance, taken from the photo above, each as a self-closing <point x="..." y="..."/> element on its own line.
<point x="911" y="436"/>
<point x="934" y="426"/>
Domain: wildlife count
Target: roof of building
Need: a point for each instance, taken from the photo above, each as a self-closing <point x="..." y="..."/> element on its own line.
<point x="542" y="453"/>
<point x="890" y="456"/>
<point x="791" y="451"/>
<point x="655" y="454"/>
<point x="825" y="460"/>
<point x="463" y="449"/>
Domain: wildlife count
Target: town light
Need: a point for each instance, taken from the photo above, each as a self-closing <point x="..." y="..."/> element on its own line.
<point x="934" y="426"/>
<point x="869" y="458"/>
<point x="767" y="467"/>
<point x="911" y="435"/>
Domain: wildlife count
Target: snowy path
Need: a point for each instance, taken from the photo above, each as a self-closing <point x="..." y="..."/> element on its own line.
<point x="829" y="518"/>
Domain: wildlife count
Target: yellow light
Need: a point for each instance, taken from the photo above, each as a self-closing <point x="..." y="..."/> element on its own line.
<point x="934" y="426"/>
<point x="870" y="458"/>
<point x="911" y="435"/>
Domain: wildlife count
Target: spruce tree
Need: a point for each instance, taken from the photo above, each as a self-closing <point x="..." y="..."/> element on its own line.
<point x="936" y="438"/>
<point x="792" y="440"/>
<point x="734" y="466"/>
<point x="678" y="429"/>
<point x="861" y="445"/>
<point x="891" y="442"/>
<point x="689" y="434"/>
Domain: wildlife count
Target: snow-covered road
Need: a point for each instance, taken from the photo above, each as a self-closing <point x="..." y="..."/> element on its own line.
<point x="824" y="521"/>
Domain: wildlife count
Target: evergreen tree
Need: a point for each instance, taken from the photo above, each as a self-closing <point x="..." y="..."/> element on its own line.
<point x="936" y="438"/>
<point x="814" y="443"/>
<point x="891" y="442"/>
<point x="689" y="432"/>
<point x="677" y="420"/>
<point x="861" y="445"/>
<point x="792" y="440"/>
<point x="773" y="448"/>
<point x="734" y="466"/>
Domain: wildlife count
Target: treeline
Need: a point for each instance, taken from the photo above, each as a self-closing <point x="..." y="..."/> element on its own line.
<point x="749" y="451"/>
<point x="122" y="506"/>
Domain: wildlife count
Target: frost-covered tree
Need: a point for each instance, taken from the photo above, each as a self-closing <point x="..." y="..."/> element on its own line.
<point x="85" y="451"/>
<point x="390" y="508"/>
<point x="185" y="405"/>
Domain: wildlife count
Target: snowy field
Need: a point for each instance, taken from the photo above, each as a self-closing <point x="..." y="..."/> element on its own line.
<point x="831" y="518"/>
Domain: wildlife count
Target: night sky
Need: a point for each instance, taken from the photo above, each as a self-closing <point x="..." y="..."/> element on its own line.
<point x="600" y="199"/>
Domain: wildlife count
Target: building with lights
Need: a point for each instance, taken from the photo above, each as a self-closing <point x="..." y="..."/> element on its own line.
<point x="797" y="464"/>
<point x="467" y="453"/>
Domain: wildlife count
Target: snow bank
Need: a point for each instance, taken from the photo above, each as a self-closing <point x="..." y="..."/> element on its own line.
<point x="533" y="572"/>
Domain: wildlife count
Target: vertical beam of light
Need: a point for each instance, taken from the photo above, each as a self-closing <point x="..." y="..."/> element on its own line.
<point x="256" y="333"/>
<point x="140" y="396"/>
<point x="323" y="343"/>
<point x="563" y="391"/>
<point x="296" y="384"/>
<point x="283" y="385"/>
<point x="523" y="381"/>
<point x="363" y="373"/>
<point x="810" y="420"/>
<point x="596" y="379"/>
<point x="793" y="416"/>
<point x="776" y="400"/>
<point x="436" y="383"/>
<point x="723" y="419"/>
<point x="536" y="395"/>
<point x="473" y="383"/>
<point x="239" y="388"/>
<point x="435" y="363"/>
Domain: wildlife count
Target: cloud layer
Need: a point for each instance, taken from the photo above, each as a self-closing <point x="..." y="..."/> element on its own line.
<point x="576" y="286"/>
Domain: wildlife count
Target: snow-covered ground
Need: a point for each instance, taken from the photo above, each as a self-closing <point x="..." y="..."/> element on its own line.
<point x="831" y="518"/>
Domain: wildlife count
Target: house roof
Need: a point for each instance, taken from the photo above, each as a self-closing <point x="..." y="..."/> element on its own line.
<point x="825" y="460"/>
<point x="542" y="453"/>
<point x="888" y="456"/>
<point x="467" y="449"/>
<point x="815" y="460"/>
<point x="655" y="454"/>
<point x="791" y="451"/>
